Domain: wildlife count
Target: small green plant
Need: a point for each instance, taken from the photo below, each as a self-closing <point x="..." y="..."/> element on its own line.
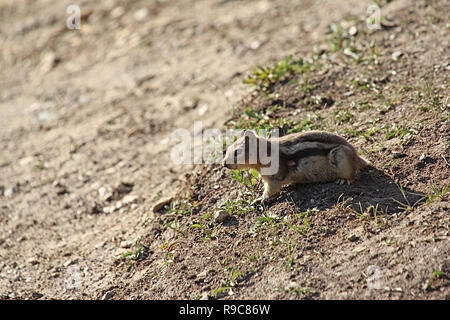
<point x="235" y="275"/>
<point x="435" y="275"/>
<point x="169" y="249"/>
<point x="265" y="77"/>
<point x="438" y="192"/>
<point x="399" y="132"/>
<point x="267" y="220"/>
<point x="407" y="206"/>
<point x="220" y="290"/>
<point x="241" y="206"/>
<point x="175" y="226"/>
<point x="207" y="233"/>
<point x="182" y="208"/>
<point x="300" y="222"/>
<point x="227" y="285"/>
<point x="343" y="116"/>
<point x="291" y="249"/>
<point x="303" y="291"/>
<point x="133" y="256"/>
<point x="365" y="85"/>
<point x="137" y="254"/>
<point x="368" y="214"/>
<point x="248" y="178"/>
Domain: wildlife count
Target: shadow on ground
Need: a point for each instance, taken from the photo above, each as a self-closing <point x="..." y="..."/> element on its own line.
<point x="373" y="189"/>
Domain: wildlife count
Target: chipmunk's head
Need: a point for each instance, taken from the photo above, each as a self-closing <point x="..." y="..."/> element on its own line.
<point x="243" y="153"/>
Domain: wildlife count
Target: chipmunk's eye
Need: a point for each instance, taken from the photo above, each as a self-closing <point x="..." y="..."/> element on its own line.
<point x="237" y="152"/>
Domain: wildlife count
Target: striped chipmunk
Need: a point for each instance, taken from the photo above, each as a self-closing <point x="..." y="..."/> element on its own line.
<point x="308" y="157"/>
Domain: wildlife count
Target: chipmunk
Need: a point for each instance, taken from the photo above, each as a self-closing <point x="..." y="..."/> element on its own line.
<point x="314" y="156"/>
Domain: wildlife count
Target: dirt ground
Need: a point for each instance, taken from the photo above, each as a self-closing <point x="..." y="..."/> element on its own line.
<point x="86" y="119"/>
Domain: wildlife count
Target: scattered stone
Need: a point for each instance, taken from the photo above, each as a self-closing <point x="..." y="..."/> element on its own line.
<point x="46" y="115"/>
<point x="9" y="192"/>
<point x="161" y="204"/>
<point x="204" y="296"/>
<point x="203" y="109"/>
<point x="291" y="285"/>
<point x="352" y="238"/>
<point x="122" y="189"/>
<point x="117" y="12"/>
<point x="135" y="131"/>
<point x="36" y="295"/>
<point x="386" y="24"/>
<point x="110" y="171"/>
<point x="130" y="199"/>
<point x="70" y="262"/>
<point x="398" y="155"/>
<point x="141" y="14"/>
<point x="349" y="93"/>
<point x="359" y="249"/>
<point x="105" y="193"/>
<point x="60" y="188"/>
<point x="26" y="161"/>
<point x="49" y="61"/>
<point x="202" y="275"/>
<point x="422" y="156"/>
<point x="352" y="31"/>
<point x="255" y="45"/>
<point x="108" y="209"/>
<point x="221" y="216"/>
<point x="446" y="66"/>
<point x="96" y="208"/>
<point x="108" y="295"/>
<point x="102" y="192"/>
<point x="126" y="244"/>
<point x="396" y="55"/>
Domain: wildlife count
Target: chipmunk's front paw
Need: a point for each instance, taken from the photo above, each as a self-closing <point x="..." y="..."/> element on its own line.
<point x="261" y="199"/>
<point x="258" y="200"/>
<point x="342" y="181"/>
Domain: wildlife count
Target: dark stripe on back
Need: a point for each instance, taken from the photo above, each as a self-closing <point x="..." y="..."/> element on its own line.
<point x="320" y="136"/>
<point x="308" y="152"/>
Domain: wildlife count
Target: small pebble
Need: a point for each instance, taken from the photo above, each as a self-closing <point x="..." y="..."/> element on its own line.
<point x="398" y="155"/>
<point x="108" y="295"/>
<point x="396" y="55"/>
<point x="352" y="31"/>
<point x="141" y="14"/>
<point x="221" y="216"/>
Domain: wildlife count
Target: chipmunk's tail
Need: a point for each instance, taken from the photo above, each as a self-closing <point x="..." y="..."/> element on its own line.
<point x="363" y="163"/>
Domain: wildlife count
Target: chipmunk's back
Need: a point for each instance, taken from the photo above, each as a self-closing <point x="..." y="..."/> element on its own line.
<point x="310" y="143"/>
<point x="319" y="156"/>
